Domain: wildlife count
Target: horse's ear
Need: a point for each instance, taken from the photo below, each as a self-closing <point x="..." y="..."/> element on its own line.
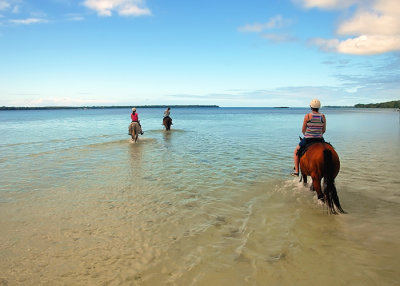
<point x="300" y="138"/>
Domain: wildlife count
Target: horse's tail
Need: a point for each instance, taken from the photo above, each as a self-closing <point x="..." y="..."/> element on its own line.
<point x="329" y="182"/>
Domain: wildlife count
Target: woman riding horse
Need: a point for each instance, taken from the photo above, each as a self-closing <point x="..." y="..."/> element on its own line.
<point x="314" y="126"/>
<point x="319" y="159"/>
<point x="167" y="121"/>
<point x="135" y="128"/>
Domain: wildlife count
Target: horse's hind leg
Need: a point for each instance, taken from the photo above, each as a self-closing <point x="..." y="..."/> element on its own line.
<point x="316" y="185"/>
<point x="134" y="135"/>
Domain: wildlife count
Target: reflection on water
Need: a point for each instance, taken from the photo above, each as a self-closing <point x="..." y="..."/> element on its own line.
<point x="204" y="204"/>
<point x="167" y="136"/>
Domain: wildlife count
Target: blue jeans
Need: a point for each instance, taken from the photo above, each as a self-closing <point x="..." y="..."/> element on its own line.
<point x="305" y="141"/>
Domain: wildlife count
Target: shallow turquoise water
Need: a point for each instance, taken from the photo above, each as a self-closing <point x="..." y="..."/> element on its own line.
<point x="210" y="203"/>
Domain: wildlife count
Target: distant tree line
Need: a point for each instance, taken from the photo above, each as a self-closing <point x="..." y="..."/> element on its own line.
<point x="389" y="104"/>
<point x="100" y="107"/>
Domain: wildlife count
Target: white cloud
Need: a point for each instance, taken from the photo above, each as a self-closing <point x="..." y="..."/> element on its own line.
<point x="371" y="23"/>
<point x="74" y="17"/>
<point x="16" y="9"/>
<point x="4" y="5"/>
<point x="276" y="22"/>
<point x="362" y="45"/>
<point x="325" y="45"/>
<point x="122" y="7"/>
<point x="28" y="21"/>
<point x="369" y="44"/>
<point x="327" y="4"/>
<point x="134" y="11"/>
<point x="374" y="28"/>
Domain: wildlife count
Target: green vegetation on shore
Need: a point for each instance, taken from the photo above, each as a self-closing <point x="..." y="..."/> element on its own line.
<point x="102" y="107"/>
<point x="389" y="104"/>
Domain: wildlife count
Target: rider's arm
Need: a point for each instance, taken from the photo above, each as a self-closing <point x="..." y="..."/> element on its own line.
<point x="303" y="129"/>
<point x="324" y="127"/>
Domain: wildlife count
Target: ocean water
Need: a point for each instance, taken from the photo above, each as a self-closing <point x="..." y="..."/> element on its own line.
<point x="209" y="203"/>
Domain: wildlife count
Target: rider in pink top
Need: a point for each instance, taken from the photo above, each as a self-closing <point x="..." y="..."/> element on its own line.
<point x="134" y="116"/>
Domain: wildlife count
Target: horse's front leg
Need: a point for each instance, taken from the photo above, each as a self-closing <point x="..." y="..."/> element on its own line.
<point x="304" y="179"/>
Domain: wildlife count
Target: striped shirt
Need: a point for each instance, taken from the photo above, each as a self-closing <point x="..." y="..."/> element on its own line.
<point x="315" y="126"/>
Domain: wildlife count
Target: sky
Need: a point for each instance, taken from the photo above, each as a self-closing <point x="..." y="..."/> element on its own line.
<point x="228" y="53"/>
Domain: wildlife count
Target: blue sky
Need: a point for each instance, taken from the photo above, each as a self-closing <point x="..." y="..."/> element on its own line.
<point x="229" y="53"/>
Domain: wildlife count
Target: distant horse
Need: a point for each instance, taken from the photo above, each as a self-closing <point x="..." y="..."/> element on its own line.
<point x="167" y="122"/>
<point x="319" y="161"/>
<point x="134" y="130"/>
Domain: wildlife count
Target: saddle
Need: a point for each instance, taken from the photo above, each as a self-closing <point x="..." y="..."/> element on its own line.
<point x="310" y="142"/>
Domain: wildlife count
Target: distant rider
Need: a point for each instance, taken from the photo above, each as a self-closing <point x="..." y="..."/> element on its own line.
<point x="135" y="128"/>
<point x="167" y="120"/>
<point x="167" y="112"/>
<point x="314" y="126"/>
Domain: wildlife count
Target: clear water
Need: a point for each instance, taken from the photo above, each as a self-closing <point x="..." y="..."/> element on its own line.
<point x="209" y="203"/>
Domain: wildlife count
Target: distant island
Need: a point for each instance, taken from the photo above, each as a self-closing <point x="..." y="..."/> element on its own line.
<point x="103" y="107"/>
<point x="389" y="104"/>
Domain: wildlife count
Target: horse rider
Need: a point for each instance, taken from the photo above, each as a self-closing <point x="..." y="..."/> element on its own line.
<point x="167" y="112"/>
<point x="314" y="126"/>
<point x="135" y="126"/>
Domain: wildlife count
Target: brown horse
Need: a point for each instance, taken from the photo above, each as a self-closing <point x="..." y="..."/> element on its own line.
<point x="134" y="130"/>
<point x="319" y="161"/>
<point x="167" y="122"/>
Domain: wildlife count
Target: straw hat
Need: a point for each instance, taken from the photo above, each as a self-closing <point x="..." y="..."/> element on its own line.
<point x="133" y="109"/>
<point x="315" y="103"/>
